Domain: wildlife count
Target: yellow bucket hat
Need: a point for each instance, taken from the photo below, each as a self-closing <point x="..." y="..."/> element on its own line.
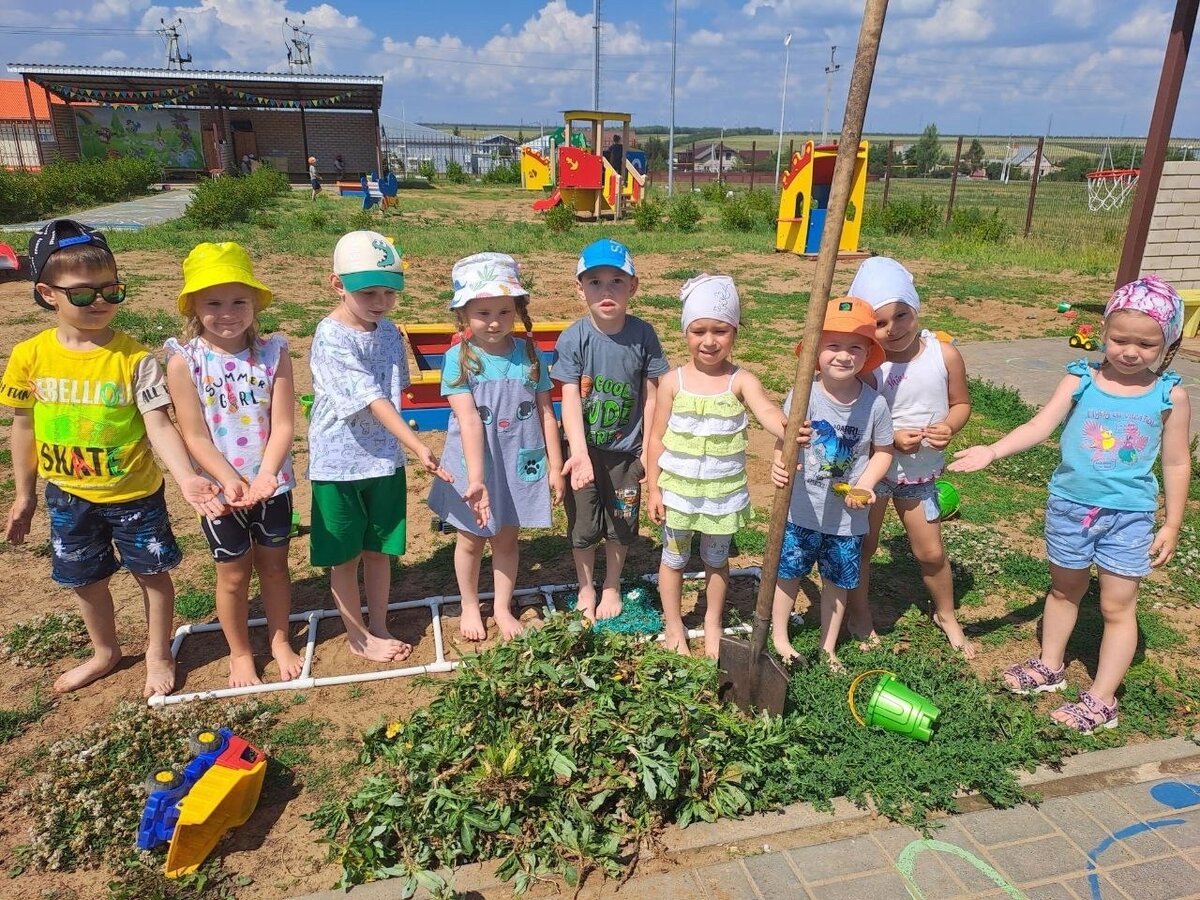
<point x="212" y="264"/>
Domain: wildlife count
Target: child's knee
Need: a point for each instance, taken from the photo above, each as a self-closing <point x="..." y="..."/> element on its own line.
<point x="714" y="550"/>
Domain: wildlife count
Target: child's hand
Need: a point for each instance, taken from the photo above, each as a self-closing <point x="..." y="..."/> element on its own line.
<point x="1164" y="545"/>
<point x="972" y="459"/>
<point x="203" y="495"/>
<point x="476" y="496"/>
<point x="804" y="435"/>
<point x="937" y="436"/>
<point x="655" y="508"/>
<point x="580" y="470"/>
<point x="779" y="474"/>
<point x="263" y="487"/>
<point x="20" y="517"/>
<point x="237" y="493"/>
<point x="558" y="485"/>
<point x="431" y="464"/>
<point x="908" y="440"/>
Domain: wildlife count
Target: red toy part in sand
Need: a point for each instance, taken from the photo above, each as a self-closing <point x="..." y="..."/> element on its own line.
<point x="8" y="258"/>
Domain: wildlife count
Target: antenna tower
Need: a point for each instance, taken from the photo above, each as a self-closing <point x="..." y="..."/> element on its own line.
<point x="830" y="71"/>
<point x="299" y="47"/>
<point x="170" y="35"/>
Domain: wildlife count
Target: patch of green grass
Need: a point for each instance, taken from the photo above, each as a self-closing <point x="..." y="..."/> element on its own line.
<point x="149" y="328"/>
<point x="1156" y="633"/>
<point x="194" y="603"/>
<point x="45" y="638"/>
<point x="14" y="721"/>
<point x="680" y="275"/>
<point x="1000" y="405"/>
<point x="289" y="743"/>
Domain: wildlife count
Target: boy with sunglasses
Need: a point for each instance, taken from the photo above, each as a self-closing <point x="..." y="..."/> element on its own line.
<point x="88" y="404"/>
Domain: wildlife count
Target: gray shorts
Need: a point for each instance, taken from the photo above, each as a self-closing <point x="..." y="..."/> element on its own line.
<point x="926" y="492"/>
<point x="609" y="506"/>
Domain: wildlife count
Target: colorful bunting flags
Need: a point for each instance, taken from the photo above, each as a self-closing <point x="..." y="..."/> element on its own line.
<point x="167" y="96"/>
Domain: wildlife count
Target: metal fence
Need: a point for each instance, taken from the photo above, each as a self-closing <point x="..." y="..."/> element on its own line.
<point x="410" y="153"/>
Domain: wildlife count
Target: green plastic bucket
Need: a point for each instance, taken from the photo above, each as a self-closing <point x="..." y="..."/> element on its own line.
<point x="894" y="707"/>
<point x="306" y="402"/>
<point x="948" y="499"/>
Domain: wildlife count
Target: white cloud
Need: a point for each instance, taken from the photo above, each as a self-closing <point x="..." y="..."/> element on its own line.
<point x="1077" y="12"/>
<point x="113" y="58"/>
<point x="44" y="51"/>
<point x="706" y="38"/>
<point x="956" y="21"/>
<point x="1147" y="27"/>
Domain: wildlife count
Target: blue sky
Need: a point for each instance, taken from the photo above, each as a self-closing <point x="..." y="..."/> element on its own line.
<point x="970" y="66"/>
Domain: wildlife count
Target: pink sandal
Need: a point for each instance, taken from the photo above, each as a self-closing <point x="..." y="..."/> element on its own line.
<point x="1026" y="682"/>
<point x="1087" y="715"/>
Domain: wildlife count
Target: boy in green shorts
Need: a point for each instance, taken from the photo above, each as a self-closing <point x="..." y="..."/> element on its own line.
<point x="356" y="461"/>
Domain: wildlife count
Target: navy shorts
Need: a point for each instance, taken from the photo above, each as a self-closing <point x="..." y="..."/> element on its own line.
<point x="268" y="524"/>
<point x="836" y="555"/>
<point x="83" y="535"/>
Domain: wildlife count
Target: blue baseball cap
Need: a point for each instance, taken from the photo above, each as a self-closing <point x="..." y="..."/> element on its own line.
<point x="605" y="252"/>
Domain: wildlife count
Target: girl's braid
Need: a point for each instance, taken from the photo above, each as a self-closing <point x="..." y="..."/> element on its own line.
<point x="471" y="363"/>
<point x="535" y="359"/>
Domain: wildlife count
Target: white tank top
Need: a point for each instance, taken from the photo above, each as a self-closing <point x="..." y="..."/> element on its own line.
<point x="917" y="392"/>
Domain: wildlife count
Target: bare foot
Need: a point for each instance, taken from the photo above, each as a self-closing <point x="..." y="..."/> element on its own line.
<point x="101" y="663"/>
<point x="677" y="640"/>
<point x="587" y="602"/>
<point x="957" y="637"/>
<point x="242" y="672"/>
<point x="160" y="676"/>
<point x="712" y="643"/>
<point x="509" y="625"/>
<point x="471" y="626"/>
<point x="610" y="603"/>
<point x="867" y="642"/>
<point x="835" y="665"/>
<point x="291" y="664"/>
<point x="786" y="651"/>
<point x="380" y="649"/>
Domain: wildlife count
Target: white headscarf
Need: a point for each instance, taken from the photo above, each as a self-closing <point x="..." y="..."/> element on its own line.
<point x="710" y="297"/>
<point x="881" y="280"/>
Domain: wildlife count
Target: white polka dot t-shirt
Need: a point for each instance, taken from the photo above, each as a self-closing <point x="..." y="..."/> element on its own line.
<point x="235" y="394"/>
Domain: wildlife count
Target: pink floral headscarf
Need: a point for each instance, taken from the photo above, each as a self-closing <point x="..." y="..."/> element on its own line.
<point x="1154" y="297"/>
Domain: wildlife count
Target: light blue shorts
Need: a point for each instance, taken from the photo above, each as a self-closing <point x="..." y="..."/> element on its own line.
<point x="926" y="492"/>
<point x="1118" y="541"/>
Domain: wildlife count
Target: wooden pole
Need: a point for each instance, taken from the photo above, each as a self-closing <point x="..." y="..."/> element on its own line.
<point x="37" y="140"/>
<point x="1033" y="183"/>
<point x="839" y="198"/>
<point x="887" y="173"/>
<point x="1161" y="120"/>
<point x="753" y="161"/>
<point x="954" y="179"/>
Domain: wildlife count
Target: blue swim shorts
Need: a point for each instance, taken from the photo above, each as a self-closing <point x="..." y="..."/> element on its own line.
<point x="83" y="535"/>
<point x="1116" y="540"/>
<point x="835" y="555"/>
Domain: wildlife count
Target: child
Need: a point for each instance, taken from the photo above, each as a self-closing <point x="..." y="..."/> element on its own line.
<point x="356" y="463"/>
<point x="696" y="477"/>
<point x="314" y="180"/>
<point x="232" y="392"/>
<point x="609" y="363"/>
<point x="88" y="404"/>
<point x="848" y="454"/>
<point x="1104" y="494"/>
<point x="924" y="382"/>
<point x="502" y="443"/>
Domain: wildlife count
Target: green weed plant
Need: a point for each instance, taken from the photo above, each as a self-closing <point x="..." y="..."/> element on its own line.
<point x="45" y="638"/>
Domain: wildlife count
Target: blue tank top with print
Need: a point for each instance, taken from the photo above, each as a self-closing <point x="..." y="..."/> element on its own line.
<point x="1109" y="444"/>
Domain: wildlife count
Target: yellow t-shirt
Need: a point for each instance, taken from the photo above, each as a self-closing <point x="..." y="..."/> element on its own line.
<point x="89" y="437"/>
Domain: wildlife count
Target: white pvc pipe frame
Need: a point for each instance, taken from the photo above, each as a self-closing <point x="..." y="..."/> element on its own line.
<point x="306" y="680"/>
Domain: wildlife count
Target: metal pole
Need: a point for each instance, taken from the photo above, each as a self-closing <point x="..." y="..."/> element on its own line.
<point x="887" y="172"/>
<point x="693" y="165"/>
<point x="1033" y="183"/>
<point x="753" y="161"/>
<point x="1161" y="120"/>
<point x="954" y="179"/>
<point x="830" y="71"/>
<point x="787" y="50"/>
<point x="671" y="134"/>
<point x="596" y="54"/>
<point x="839" y="197"/>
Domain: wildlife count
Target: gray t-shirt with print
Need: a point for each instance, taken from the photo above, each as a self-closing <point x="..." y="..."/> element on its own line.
<point x="609" y="369"/>
<point x="839" y="451"/>
<point x="351" y="369"/>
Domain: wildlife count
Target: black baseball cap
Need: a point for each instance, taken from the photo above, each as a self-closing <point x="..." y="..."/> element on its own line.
<point x="51" y="238"/>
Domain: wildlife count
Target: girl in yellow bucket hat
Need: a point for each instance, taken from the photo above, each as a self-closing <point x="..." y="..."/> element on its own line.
<point x="232" y="391"/>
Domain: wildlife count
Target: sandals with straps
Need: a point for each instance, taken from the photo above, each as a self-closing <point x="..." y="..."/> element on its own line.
<point x="1087" y="715"/>
<point x="1034" y="677"/>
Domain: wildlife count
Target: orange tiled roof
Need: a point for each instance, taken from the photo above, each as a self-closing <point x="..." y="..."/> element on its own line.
<point x="13" y="104"/>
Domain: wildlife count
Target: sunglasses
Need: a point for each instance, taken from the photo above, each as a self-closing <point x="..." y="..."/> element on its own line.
<point x="87" y="295"/>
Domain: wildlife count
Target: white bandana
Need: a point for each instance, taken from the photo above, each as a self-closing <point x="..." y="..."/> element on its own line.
<point x="710" y="297"/>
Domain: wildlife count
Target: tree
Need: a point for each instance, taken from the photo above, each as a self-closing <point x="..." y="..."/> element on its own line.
<point x="926" y="153"/>
<point x="877" y="159"/>
<point x="974" y="156"/>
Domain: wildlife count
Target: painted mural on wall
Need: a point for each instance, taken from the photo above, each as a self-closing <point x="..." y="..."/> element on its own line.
<point x="170" y="137"/>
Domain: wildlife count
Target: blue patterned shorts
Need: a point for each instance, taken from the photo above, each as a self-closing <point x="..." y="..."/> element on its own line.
<point x="837" y="556"/>
<point x="83" y="535"/>
<point x="1117" y="541"/>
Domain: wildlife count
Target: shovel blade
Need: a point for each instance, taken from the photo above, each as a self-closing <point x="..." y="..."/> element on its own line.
<point x="763" y="687"/>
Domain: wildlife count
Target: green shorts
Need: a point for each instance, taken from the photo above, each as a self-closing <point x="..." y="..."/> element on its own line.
<point x="349" y="517"/>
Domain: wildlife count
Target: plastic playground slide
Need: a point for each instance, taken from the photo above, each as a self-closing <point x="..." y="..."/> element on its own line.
<point x="548" y="202"/>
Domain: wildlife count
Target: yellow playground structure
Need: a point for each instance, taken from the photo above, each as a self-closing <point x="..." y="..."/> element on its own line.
<point x="578" y="171"/>
<point x="804" y="200"/>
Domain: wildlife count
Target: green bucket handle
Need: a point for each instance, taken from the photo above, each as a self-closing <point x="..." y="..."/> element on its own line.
<point x="854" y="687"/>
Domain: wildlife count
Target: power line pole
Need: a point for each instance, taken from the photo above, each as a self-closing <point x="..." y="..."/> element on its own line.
<point x="830" y="71"/>
<point x="596" y="54"/>
<point x="299" y="59"/>
<point x="671" y="135"/>
<point x="170" y="34"/>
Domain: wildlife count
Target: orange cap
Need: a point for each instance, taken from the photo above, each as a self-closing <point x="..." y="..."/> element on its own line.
<point x="850" y="315"/>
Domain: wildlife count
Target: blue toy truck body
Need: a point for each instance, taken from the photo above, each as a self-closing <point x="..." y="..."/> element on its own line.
<point x="161" y="811"/>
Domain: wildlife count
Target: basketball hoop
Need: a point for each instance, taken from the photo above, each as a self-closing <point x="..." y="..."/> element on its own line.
<point x="1110" y="188"/>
